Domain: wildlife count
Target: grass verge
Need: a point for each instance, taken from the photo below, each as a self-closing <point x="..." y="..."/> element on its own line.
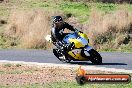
<point x="29" y="21"/>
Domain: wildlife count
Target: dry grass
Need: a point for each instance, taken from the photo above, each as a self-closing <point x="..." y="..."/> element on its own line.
<point x="108" y="27"/>
<point x="103" y="1"/>
<point x="29" y="27"/>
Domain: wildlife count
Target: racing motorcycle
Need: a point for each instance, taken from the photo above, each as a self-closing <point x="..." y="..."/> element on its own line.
<point x="81" y="51"/>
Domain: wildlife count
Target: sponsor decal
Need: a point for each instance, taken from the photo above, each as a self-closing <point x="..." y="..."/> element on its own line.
<point x="82" y="77"/>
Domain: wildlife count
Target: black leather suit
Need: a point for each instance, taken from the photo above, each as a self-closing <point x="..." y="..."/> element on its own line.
<point x="57" y="34"/>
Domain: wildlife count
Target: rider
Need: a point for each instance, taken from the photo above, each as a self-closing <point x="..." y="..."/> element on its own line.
<point x="57" y="34"/>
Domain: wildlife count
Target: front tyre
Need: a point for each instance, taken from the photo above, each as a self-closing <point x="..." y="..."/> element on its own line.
<point x="95" y="57"/>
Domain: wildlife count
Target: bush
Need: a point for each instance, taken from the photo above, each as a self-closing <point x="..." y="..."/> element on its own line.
<point x="109" y="28"/>
<point x="29" y="28"/>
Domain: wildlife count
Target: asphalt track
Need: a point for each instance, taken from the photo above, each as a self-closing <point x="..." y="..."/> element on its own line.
<point x="118" y="60"/>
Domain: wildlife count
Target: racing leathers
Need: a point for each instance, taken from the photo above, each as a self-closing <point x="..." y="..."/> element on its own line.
<point x="57" y="35"/>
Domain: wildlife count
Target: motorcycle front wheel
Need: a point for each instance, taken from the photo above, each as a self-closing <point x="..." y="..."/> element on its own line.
<point x="95" y="57"/>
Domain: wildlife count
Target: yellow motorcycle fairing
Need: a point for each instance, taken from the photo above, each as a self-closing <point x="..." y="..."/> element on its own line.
<point x="77" y="56"/>
<point x="83" y="35"/>
<point x="78" y="44"/>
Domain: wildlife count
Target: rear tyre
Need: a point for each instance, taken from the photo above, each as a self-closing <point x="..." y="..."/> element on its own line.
<point x="56" y="53"/>
<point x="95" y="57"/>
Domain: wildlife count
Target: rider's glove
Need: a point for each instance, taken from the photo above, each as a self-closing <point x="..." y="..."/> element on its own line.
<point x="72" y="45"/>
<point x="69" y="47"/>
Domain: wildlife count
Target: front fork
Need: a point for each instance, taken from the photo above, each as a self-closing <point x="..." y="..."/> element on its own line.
<point x="87" y="49"/>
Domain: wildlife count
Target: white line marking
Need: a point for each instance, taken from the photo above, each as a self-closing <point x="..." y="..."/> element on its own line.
<point x="68" y="66"/>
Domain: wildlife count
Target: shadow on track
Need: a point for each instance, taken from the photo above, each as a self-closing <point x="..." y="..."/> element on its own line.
<point x="86" y="63"/>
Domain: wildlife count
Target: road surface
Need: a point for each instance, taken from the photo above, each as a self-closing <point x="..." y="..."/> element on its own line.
<point x="117" y="60"/>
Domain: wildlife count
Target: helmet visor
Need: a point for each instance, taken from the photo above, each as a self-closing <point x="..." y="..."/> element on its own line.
<point x="57" y="20"/>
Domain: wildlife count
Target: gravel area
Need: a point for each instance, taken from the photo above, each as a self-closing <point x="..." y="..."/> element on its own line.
<point x="23" y="74"/>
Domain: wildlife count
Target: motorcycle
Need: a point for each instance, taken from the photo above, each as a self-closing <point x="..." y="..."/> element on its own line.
<point x="82" y="51"/>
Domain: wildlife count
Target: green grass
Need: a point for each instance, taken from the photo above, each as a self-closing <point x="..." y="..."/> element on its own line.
<point x="17" y="70"/>
<point x="18" y="65"/>
<point x="106" y="7"/>
<point x="14" y="72"/>
<point x="23" y="86"/>
<point x="4" y="12"/>
<point x="126" y="47"/>
<point x="129" y="6"/>
<point x="69" y="85"/>
<point x="77" y="9"/>
<point x="75" y="85"/>
<point x="120" y="48"/>
<point x="2" y="72"/>
<point x="8" y="65"/>
<point x="3" y="43"/>
<point x="59" y="84"/>
<point x="80" y="10"/>
<point x="36" y="4"/>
